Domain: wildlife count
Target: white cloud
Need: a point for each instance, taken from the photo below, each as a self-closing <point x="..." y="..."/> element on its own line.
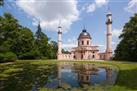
<point x="116" y="32"/>
<point x="100" y="3"/>
<point x="132" y="6"/>
<point x="49" y="12"/>
<point x="69" y="44"/>
<point x="102" y="47"/>
<point x="93" y="6"/>
<point x="113" y="43"/>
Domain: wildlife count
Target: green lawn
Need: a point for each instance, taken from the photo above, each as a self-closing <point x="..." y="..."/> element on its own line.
<point x="31" y="72"/>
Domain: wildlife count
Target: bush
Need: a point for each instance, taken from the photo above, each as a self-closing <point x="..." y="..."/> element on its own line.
<point x="34" y="54"/>
<point x="44" y="58"/>
<point x="7" y="57"/>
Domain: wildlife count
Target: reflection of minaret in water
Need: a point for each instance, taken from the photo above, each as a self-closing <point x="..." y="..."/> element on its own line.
<point x="108" y="73"/>
<point x="109" y="35"/>
<point x="59" y="74"/>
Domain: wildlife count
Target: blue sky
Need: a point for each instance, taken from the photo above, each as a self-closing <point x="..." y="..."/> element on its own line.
<point x="74" y="15"/>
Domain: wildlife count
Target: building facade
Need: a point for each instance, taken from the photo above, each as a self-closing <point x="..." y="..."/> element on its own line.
<point x="85" y="49"/>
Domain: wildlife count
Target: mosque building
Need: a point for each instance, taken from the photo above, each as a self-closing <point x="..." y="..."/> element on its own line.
<point x="85" y="49"/>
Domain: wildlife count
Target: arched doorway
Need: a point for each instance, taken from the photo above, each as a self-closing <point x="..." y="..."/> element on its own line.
<point x="81" y="56"/>
<point x="93" y="56"/>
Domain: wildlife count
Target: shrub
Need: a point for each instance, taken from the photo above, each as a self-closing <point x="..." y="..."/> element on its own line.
<point x="34" y="54"/>
<point x="7" y="57"/>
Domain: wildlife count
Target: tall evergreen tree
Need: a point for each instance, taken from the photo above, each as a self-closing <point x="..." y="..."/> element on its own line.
<point x="127" y="48"/>
<point x="41" y="42"/>
<point x="47" y="48"/>
<point x="38" y="33"/>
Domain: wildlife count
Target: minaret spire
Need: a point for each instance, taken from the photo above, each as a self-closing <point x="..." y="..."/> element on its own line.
<point x="59" y="41"/>
<point x="108" y="8"/>
<point x="84" y="26"/>
<point x="59" y="22"/>
<point x="109" y="35"/>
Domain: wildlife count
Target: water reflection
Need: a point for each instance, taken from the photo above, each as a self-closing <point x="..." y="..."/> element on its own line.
<point x="79" y="75"/>
<point x="57" y="76"/>
<point x="28" y="77"/>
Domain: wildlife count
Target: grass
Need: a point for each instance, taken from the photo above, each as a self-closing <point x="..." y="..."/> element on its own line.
<point x="22" y="74"/>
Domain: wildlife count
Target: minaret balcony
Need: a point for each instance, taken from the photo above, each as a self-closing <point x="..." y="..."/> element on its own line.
<point x="109" y="22"/>
<point x="108" y="34"/>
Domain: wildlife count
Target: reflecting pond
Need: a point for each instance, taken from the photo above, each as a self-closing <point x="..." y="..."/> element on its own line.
<point x="58" y="76"/>
<point x="81" y="75"/>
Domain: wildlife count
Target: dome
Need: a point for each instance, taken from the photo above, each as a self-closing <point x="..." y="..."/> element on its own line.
<point x="84" y="34"/>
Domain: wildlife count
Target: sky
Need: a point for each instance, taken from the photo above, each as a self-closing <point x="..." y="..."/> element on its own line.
<point x="73" y="16"/>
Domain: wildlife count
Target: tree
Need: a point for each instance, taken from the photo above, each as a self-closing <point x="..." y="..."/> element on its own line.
<point x="41" y="42"/>
<point x="38" y="33"/>
<point x="47" y="48"/>
<point x="5" y="54"/>
<point x="7" y="24"/>
<point x="8" y="27"/>
<point x="65" y="51"/>
<point x="16" y="38"/>
<point x="127" y="47"/>
<point x="1" y="2"/>
<point x="53" y="47"/>
<point x="24" y="45"/>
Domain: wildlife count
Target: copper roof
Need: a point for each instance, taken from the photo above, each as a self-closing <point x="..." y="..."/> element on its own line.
<point x="84" y="34"/>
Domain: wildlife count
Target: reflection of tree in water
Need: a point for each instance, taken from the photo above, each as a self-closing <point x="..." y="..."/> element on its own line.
<point x="30" y="77"/>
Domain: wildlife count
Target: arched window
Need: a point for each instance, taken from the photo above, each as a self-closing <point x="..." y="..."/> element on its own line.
<point x="87" y="42"/>
<point x="74" y="56"/>
<point x="82" y="42"/>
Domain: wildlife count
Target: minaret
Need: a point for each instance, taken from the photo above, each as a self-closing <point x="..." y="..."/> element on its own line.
<point x="59" y="43"/>
<point x="109" y="36"/>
